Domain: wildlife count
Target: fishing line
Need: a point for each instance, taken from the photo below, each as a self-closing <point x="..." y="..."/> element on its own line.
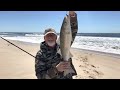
<point x="18" y="47"/>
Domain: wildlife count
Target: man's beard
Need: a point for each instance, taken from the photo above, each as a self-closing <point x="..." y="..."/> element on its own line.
<point x="51" y="43"/>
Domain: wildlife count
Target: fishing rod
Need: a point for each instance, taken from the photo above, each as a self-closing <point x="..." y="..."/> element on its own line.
<point x="18" y="47"/>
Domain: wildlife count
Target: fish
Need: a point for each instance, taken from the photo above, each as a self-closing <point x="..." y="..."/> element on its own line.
<point x="65" y="41"/>
<point x="65" y="38"/>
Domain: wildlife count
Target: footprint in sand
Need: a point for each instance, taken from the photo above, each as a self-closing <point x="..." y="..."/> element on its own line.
<point x="85" y="59"/>
<point x="98" y="72"/>
<point x="86" y="63"/>
<point x="80" y="58"/>
<point x="95" y="74"/>
<point x="92" y="74"/>
<point x="92" y="77"/>
<point x="77" y="77"/>
<point x="93" y="66"/>
<point x="85" y="71"/>
<point x="82" y="66"/>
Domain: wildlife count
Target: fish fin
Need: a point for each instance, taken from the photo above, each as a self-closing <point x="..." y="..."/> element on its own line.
<point x="58" y="41"/>
<point x="59" y="51"/>
<point x="69" y="71"/>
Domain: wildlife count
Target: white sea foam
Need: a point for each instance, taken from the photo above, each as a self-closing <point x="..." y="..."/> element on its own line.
<point x="102" y="44"/>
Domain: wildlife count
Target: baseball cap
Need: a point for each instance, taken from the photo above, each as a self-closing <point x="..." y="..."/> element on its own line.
<point x="49" y="30"/>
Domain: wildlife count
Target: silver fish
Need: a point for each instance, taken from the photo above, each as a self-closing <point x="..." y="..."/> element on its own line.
<point x="65" y="41"/>
<point x="65" y="38"/>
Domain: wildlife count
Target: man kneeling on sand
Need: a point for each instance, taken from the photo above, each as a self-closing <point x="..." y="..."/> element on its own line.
<point x="49" y="63"/>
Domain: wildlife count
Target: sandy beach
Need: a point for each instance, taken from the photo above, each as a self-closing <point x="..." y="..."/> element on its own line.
<point x="16" y="64"/>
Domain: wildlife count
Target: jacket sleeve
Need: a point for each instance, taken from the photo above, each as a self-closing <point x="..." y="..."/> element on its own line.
<point x="74" y="26"/>
<point x="42" y="70"/>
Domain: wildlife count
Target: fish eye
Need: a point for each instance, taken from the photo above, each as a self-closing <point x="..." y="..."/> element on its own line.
<point x="65" y="23"/>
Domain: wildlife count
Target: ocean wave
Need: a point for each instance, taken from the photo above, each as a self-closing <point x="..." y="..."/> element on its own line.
<point x="102" y="44"/>
<point x="33" y="35"/>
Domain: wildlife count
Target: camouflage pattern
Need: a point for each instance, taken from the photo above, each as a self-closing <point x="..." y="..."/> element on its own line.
<point x="74" y="26"/>
<point x="47" y="58"/>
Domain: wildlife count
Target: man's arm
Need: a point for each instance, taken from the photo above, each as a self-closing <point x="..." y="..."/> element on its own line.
<point x="41" y="69"/>
<point x="74" y="24"/>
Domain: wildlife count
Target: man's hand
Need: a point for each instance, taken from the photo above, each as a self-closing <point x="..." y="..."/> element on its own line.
<point x="63" y="66"/>
<point x="72" y="13"/>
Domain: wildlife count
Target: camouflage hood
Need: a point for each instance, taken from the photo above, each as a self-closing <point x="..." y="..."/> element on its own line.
<point x="49" y="53"/>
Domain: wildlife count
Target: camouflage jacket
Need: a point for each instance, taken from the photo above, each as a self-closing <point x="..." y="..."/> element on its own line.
<point x="47" y="58"/>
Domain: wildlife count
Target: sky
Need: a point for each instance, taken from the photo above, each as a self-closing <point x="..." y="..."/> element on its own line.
<point x="38" y="21"/>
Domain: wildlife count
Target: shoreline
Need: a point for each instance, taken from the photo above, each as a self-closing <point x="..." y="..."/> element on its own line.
<point x="79" y="49"/>
<point x="98" y="52"/>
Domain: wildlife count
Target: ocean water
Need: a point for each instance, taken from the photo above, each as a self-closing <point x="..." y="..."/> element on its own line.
<point x="103" y="42"/>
